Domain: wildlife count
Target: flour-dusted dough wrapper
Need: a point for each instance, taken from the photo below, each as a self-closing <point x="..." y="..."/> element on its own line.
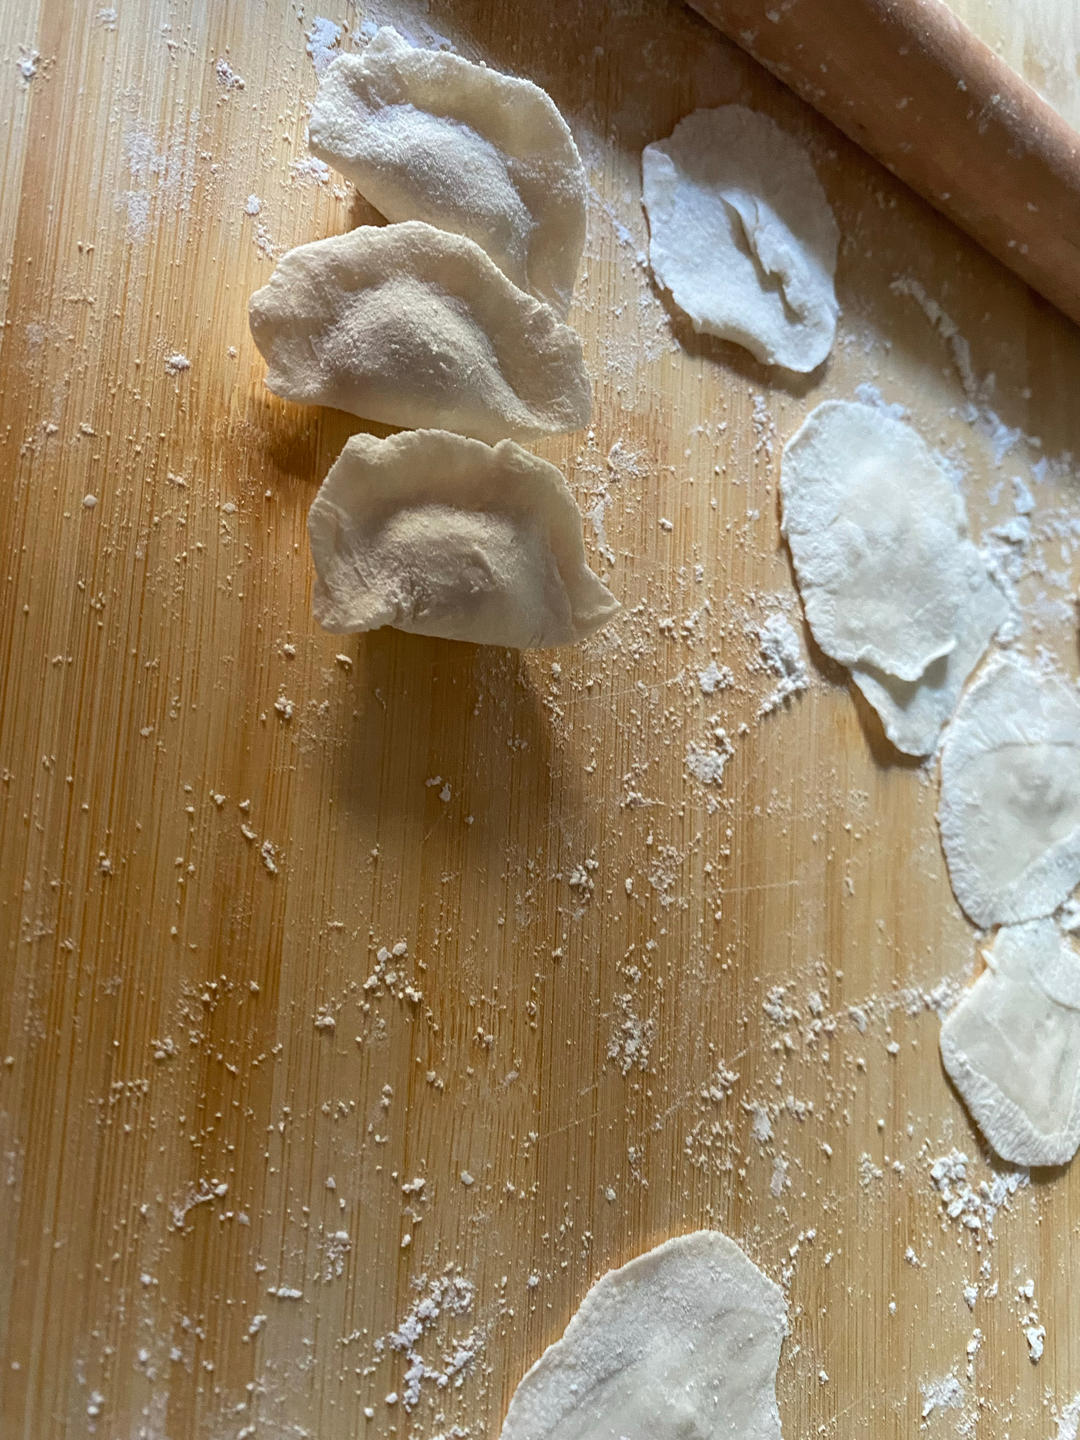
<point x="440" y="535"/>
<point x="414" y="327"/>
<point x="914" y="713"/>
<point x="429" y="136"/>
<point x="1012" y="1046"/>
<point x="1009" y="812"/>
<point x="876" y="531"/>
<point x="742" y="234"/>
<point x="682" y="1342"/>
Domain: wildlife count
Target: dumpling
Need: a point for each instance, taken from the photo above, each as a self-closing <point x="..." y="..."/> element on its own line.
<point x="440" y="535"/>
<point x="414" y="327"/>
<point x="429" y="136"/>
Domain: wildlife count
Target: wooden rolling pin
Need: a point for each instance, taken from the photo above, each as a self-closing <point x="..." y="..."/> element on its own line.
<point x="912" y="85"/>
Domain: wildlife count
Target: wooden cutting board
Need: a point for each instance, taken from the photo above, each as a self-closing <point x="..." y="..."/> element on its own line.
<point x="619" y="1003"/>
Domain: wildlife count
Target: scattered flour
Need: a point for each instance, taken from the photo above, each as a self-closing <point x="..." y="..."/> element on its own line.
<point x="782" y="652"/>
<point x="1068" y="1425"/>
<point x="446" y="1296"/>
<point x="227" y="76"/>
<point x="706" y="763"/>
<point x="323" y="41"/>
<point x="944" y="1394"/>
<point x="28" y="62"/>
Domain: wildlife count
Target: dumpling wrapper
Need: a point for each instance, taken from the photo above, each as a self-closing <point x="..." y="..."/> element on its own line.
<point x="413" y="327"/>
<point x="1012" y="1046"/>
<point x="440" y="535"/>
<point x="913" y="713"/>
<point x="682" y="1342"/>
<point x="877" y="535"/>
<point x="429" y="136"/>
<point x="1009" y="811"/>
<point x="741" y="233"/>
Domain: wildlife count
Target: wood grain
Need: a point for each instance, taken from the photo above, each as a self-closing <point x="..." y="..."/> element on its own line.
<point x="594" y="939"/>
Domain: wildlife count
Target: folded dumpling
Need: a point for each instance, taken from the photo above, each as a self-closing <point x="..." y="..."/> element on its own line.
<point x="429" y="136"/>
<point x="414" y="327"/>
<point x="434" y="533"/>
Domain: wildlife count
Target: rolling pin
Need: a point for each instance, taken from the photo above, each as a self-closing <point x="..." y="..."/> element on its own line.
<point x="910" y="83"/>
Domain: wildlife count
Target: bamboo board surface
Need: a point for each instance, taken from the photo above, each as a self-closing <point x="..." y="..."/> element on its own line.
<point x="630" y="1004"/>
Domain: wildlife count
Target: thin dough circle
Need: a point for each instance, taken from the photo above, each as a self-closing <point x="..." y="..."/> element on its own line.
<point x="741" y="233"/>
<point x="1012" y="1046"/>
<point x="1009" y="811"/>
<point x="876" y="531"/>
<point x="681" y="1342"/>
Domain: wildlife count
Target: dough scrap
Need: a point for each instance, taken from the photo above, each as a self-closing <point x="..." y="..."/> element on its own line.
<point x="1009" y="811"/>
<point x="414" y="327"/>
<point x="876" y="531"/>
<point x="742" y="235"/>
<point x="914" y="713"/>
<point x="429" y="136"/>
<point x="440" y="535"/>
<point x="682" y="1343"/>
<point x="1012" y="1046"/>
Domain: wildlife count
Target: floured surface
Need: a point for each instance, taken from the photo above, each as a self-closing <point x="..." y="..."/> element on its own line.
<point x="368" y="997"/>
<point x="682" y="1341"/>
<point x="1012" y="1046"/>
<point x="440" y="535"/>
<point x="1010" y="794"/>
<point x="415" y="327"/>
<point x="424" y="135"/>
<point x="741" y="233"/>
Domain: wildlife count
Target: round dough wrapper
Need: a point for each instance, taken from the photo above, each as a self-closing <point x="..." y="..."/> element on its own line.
<point x="742" y="235"/>
<point x="425" y="135"/>
<point x="440" y="535"/>
<point x="413" y="327"/>
<point x="914" y="713"/>
<point x="878" y="538"/>
<point x="1012" y="1046"/>
<point x="683" y="1341"/>
<point x="1009" y="811"/>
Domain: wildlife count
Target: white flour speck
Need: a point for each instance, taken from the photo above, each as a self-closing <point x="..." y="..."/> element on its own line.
<point x="322" y="41"/>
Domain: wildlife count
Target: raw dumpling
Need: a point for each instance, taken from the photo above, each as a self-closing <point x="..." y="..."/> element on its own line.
<point x="1010" y="794"/>
<point x="913" y="713"/>
<point x="440" y="535"/>
<point x="680" y="1344"/>
<point x="1012" y="1046"/>
<point x="429" y="136"/>
<point x="742" y="235"/>
<point x="877" y="534"/>
<point x="411" y="326"/>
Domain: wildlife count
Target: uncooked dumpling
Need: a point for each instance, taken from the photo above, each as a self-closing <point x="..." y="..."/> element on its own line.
<point x="680" y="1344"/>
<point x="742" y="234"/>
<point x="411" y="326"/>
<point x="440" y="535"/>
<point x="877" y="534"/>
<point x="429" y="136"/>
<point x="1012" y="1046"/>
<point x="913" y="713"/>
<point x="1010" y="794"/>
